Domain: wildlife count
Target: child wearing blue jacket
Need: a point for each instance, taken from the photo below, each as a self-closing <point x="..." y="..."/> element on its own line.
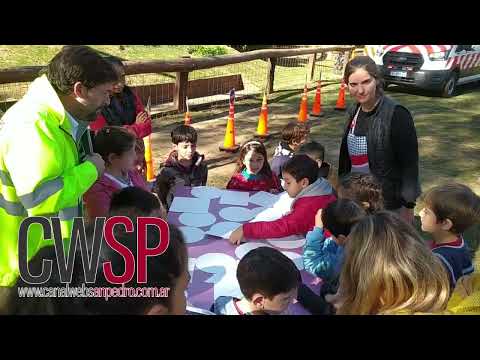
<point x="322" y="255"/>
<point x="325" y="258"/>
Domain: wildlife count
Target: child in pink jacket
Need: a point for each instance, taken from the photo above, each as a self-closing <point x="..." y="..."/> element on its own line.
<point x="116" y="145"/>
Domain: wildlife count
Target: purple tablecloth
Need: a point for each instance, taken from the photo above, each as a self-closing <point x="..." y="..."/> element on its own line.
<point x="201" y="293"/>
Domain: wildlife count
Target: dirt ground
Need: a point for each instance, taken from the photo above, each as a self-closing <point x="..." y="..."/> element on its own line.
<point x="210" y="125"/>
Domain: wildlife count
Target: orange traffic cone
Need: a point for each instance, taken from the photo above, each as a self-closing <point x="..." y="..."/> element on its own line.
<point x="302" y="114"/>
<point x="229" y="140"/>
<point x="317" y="104"/>
<point x="188" y="119"/>
<point x="149" y="158"/>
<point x="341" y="98"/>
<point x="262" y="128"/>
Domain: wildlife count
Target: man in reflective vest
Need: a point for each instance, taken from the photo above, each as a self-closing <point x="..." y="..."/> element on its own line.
<point x="46" y="158"/>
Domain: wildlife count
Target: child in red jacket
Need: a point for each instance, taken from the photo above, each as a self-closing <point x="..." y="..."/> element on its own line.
<point x="116" y="145"/>
<point x="311" y="193"/>
<point x="125" y="109"/>
<point x="253" y="172"/>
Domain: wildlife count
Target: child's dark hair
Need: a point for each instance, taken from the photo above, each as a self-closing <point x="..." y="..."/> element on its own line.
<point x="267" y="271"/>
<point x="302" y="166"/>
<point x="258" y="148"/>
<point x="184" y="133"/>
<point x="363" y="188"/>
<point x="162" y="271"/>
<point x="313" y="149"/>
<point x="340" y="216"/>
<point x="294" y="132"/>
<point x="456" y="202"/>
<point x="113" y="140"/>
<point x="141" y="201"/>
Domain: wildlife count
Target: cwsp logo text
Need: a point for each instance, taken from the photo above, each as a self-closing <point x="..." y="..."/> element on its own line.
<point x="90" y="263"/>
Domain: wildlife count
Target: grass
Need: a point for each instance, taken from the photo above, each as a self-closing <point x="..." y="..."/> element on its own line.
<point x="289" y="74"/>
<point x="448" y="132"/>
<point x="25" y="55"/>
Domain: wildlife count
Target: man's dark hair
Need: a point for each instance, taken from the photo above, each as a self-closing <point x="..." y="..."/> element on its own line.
<point x="267" y="271"/>
<point x="301" y="167"/>
<point x="78" y="63"/>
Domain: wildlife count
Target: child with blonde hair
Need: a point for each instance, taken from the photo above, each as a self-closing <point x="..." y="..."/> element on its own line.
<point x="389" y="269"/>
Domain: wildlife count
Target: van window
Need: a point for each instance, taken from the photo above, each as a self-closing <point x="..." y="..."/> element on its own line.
<point x="462" y="48"/>
<point x="476" y="47"/>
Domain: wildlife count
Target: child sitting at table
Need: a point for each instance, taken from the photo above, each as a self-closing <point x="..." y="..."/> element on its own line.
<point x="136" y="201"/>
<point x="294" y="134"/>
<point x="310" y="193"/>
<point x="268" y="280"/>
<point x="316" y="151"/>
<point x="253" y="172"/>
<point x="116" y="145"/>
<point x="184" y="165"/>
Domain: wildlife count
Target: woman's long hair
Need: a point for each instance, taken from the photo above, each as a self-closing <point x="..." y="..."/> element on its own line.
<point x="389" y="269"/>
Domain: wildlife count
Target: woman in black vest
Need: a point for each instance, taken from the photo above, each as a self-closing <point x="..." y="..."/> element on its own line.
<point x="380" y="138"/>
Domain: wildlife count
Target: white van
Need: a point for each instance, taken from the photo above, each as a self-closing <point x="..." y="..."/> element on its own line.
<point x="432" y="67"/>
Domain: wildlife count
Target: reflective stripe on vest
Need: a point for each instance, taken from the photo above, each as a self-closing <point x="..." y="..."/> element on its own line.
<point x="41" y="193"/>
<point x="5" y="178"/>
<point x="69" y="213"/>
<point x="12" y="208"/>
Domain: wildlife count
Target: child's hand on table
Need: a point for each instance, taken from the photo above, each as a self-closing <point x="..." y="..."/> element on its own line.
<point x="237" y="236"/>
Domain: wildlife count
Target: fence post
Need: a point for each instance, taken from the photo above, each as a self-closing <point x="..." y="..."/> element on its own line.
<point x="270" y="75"/>
<point x="180" y="92"/>
<point x="311" y="66"/>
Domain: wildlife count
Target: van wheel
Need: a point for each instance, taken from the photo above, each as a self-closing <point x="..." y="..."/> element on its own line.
<point x="450" y="86"/>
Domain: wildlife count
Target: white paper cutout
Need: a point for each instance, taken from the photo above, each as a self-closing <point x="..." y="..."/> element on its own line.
<point x="191" y="267"/>
<point x="257" y="210"/>
<point x="224" y="270"/>
<point x="289" y="242"/>
<point x="231" y="197"/>
<point x="268" y="214"/>
<point x="192" y="234"/>
<point x="284" y="203"/>
<point x="206" y="192"/>
<point x="197" y="220"/>
<point x="245" y="248"/>
<point x="189" y="204"/>
<point x="264" y="199"/>
<point x="236" y="214"/>
<point x="223" y="229"/>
